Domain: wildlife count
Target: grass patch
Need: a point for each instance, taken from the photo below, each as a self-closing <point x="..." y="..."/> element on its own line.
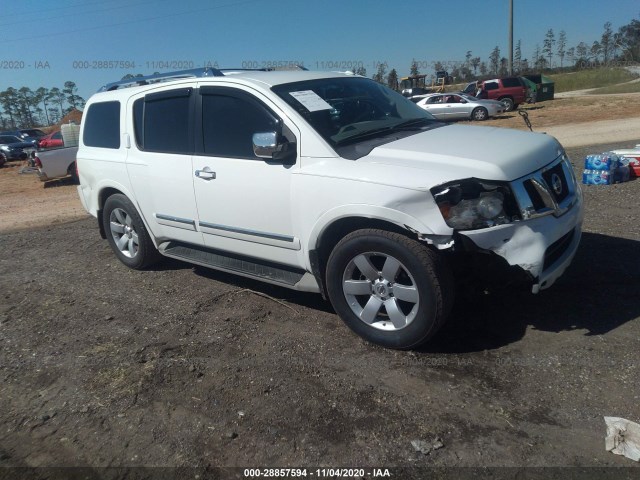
<point x="594" y="78"/>
<point x="624" y="88"/>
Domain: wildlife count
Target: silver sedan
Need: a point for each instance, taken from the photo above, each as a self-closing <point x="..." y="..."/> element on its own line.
<point x="454" y="106"/>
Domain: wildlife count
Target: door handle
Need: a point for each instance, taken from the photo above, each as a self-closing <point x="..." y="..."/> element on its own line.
<point x="206" y="174"/>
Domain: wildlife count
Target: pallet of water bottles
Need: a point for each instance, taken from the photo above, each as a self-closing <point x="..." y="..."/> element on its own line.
<point x="608" y="168"/>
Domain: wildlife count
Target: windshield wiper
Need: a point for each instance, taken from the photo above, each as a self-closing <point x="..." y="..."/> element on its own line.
<point x="411" y="124"/>
<point x="407" y="125"/>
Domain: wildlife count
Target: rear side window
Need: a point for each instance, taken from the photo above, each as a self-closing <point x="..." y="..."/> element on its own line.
<point x="511" y="82"/>
<point x="162" y="122"/>
<point x="491" y="85"/>
<point x="102" y="125"/>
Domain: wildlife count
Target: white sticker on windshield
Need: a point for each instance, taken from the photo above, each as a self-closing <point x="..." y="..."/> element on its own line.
<point x="311" y="100"/>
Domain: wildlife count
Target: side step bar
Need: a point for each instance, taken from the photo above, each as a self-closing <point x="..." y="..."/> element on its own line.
<point x="249" y="267"/>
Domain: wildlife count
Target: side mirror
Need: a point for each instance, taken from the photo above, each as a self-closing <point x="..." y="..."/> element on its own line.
<point x="267" y="146"/>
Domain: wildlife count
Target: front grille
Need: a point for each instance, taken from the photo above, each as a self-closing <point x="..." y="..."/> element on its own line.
<point x="556" y="249"/>
<point x="536" y="195"/>
<point x="549" y="178"/>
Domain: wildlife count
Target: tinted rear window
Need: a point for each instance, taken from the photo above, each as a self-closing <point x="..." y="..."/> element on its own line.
<point x="166" y="122"/>
<point x="511" y="82"/>
<point x="102" y="125"/>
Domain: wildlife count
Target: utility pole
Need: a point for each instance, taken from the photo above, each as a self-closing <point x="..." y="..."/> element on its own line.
<point x="510" y="37"/>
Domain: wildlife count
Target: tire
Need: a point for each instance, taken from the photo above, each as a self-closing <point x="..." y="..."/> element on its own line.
<point x="508" y="103"/>
<point x="74" y="173"/>
<point x="479" y="114"/>
<point x="123" y="226"/>
<point x="363" y="273"/>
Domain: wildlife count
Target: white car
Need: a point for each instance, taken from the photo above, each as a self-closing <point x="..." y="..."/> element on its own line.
<point x="454" y="106"/>
<point x="325" y="182"/>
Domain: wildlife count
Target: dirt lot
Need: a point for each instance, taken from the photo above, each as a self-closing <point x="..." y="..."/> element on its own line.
<point x="102" y="366"/>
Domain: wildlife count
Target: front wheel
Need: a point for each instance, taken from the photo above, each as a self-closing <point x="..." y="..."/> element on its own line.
<point x="480" y="114"/>
<point x="127" y="234"/>
<point x="389" y="289"/>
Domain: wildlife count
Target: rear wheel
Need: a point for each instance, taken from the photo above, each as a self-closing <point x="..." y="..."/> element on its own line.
<point x="389" y="289"/>
<point x="74" y="173"/>
<point x="480" y="114"/>
<point x="508" y="103"/>
<point x="126" y="233"/>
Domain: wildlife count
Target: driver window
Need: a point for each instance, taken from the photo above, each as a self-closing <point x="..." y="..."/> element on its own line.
<point x="228" y="125"/>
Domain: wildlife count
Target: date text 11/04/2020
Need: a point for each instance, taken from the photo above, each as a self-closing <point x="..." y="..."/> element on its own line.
<point x="316" y="472"/>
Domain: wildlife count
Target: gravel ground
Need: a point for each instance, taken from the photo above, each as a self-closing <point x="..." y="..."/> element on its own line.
<point x="102" y="366"/>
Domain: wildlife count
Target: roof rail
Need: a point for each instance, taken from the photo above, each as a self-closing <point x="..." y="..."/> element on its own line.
<point x="160" y="77"/>
<point x="266" y="69"/>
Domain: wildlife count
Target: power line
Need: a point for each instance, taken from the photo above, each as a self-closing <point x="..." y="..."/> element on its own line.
<point x="75" y="14"/>
<point x="138" y="20"/>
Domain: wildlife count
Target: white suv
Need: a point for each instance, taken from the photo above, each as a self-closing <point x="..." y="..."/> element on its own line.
<point x="329" y="183"/>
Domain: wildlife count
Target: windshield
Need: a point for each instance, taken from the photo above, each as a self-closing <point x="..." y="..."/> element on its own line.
<point x="345" y="111"/>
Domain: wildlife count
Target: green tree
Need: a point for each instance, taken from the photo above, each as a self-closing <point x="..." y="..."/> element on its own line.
<point x="630" y="40"/>
<point x="9" y="102"/>
<point x="467" y="59"/>
<point x="606" y="42"/>
<point x="43" y="96"/>
<point x="361" y="71"/>
<point x="25" y="102"/>
<point x="475" y="63"/>
<point x="483" y="68"/>
<point x="582" y="52"/>
<point x="392" y="79"/>
<point x="414" y="68"/>
<point x="549" y="42"/>
<point x="562" y="46"/>
<point x="596" y="50"/>
<point x="494" y="60"/>
<point x="58" y="97"/>
<point x="380" y="75"/>
<point x="71" y="92"/>
<point x="517" y="56"/>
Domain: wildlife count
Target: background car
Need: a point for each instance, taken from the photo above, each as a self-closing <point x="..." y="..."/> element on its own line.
<point x="33" y="132"/>
<point x="509" y="90"/>
<point x="460" y="106"/>
<point x="13" y="148"/>
<point x="23" y="137"/>
<point x="52" y="140"/>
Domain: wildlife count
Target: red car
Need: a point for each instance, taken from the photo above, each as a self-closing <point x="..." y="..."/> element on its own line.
<point x="510" y="91"/>
<point x="52" y="140"/>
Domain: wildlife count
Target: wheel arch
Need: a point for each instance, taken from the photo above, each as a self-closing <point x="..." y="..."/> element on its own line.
<point x="325" y="237"/>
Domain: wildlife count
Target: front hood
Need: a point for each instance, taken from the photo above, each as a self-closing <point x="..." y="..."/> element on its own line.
<point x="459" y="151"/>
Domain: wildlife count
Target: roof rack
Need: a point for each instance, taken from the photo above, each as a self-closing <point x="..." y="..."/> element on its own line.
<point x="192" y="73"/>
<point x="163" y="77"/>
<point x="284" y="68"/>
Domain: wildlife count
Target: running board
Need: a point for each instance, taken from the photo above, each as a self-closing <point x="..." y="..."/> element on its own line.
<point x="248" y="267"/>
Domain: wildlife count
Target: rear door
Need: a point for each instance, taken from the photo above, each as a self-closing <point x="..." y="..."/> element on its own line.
<point x="160" y="161"/>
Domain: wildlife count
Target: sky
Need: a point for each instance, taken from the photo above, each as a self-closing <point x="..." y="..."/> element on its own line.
<point x="95" y="42"/>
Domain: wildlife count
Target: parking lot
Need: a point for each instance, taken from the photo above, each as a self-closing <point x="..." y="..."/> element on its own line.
<point x="183" y="366"/>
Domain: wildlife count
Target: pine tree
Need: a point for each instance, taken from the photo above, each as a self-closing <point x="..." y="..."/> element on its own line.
<point x="562" y="45"/>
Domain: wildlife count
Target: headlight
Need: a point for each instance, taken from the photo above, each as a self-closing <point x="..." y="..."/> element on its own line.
<point x="471" y="204"/>
<point x="6" y="148"/>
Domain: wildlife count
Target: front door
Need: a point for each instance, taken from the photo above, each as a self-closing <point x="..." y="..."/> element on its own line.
<point x="244" y="202"/>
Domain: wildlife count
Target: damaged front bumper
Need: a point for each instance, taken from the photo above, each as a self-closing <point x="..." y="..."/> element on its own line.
<point x="542" y="245"/>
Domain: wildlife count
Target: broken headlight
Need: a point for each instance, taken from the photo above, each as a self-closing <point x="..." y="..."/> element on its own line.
<point x="472" y="204"/>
